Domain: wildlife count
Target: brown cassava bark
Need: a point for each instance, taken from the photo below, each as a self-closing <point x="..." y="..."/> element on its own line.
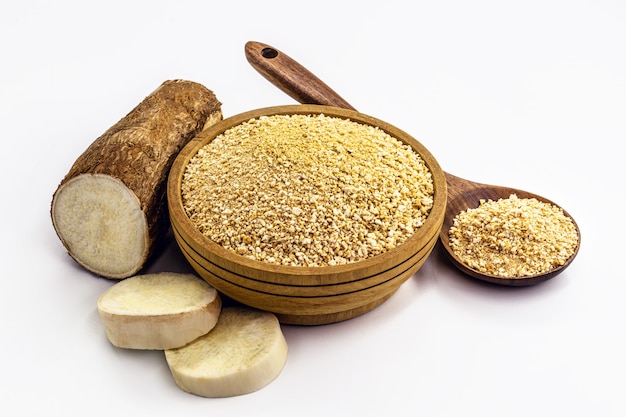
<point x="139" y="151"/>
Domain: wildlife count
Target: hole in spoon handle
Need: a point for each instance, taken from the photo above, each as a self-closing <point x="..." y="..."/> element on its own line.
<point x="269" y="53"/>
<point x="291" y="77"/>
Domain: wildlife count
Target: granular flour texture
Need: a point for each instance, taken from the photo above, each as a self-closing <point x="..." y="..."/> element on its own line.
<point x="513" y="237"/>
<point x="307" y="190"/>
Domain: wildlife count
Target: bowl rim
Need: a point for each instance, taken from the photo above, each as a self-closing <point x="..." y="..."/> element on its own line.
<point x="284" y="274"/>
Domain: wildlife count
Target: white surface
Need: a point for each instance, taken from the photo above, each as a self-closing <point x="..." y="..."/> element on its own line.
<point x="529" y="94"/>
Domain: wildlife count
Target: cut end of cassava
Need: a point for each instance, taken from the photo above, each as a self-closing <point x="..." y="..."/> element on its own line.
<point x="117" y="224"/>
<point x="158" y="311"/>
<point x="243" y="353"/>
<point x="100" y="222"/>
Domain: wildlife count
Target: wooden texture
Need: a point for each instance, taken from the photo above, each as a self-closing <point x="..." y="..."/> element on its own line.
<point x="304" y="295"/>
<point x="139" y="151"/>
<point x="292" y="78"/>
<point x="303" y="287"/>
<point x="464" y="194"/>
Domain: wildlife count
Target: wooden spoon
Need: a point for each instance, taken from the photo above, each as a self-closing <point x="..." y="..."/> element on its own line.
<point x="302" y="85"/>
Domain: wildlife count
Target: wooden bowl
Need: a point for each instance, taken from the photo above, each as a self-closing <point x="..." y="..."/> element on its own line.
<point x="305" y="295"/>
<point x="303" y="290"/>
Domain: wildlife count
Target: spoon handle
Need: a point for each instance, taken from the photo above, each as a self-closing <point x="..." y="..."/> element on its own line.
<point x="291" y="77"/>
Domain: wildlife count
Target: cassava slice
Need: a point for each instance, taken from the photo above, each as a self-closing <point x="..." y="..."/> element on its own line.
<point x="244" y="352"/>
<point x="158" y="311"/>
<point x="110" y="209"/>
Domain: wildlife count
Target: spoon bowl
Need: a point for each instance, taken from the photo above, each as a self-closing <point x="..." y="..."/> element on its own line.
<point x="465" y="194"/>
<point x="303" y="86"/>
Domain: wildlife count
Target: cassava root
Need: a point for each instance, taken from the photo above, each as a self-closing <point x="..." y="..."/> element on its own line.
<point x="109" y="211"/>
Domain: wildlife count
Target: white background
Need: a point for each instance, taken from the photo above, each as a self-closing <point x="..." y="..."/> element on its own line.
<point x="529" y="94"/>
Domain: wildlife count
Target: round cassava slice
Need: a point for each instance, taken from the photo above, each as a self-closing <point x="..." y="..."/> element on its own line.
<point x="243" y="353"/>
<point x="158" y="311"/>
